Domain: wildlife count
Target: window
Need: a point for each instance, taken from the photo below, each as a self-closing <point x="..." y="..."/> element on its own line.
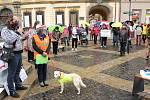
<point x="60" y="18"/>
<point x="136" y="15"/>
<point x="40" y="17"/>
<point x="74" y="18"/>
<point x="147" y="19"/>
<point x="4" y="14"/>
<point x="27" y="19"/>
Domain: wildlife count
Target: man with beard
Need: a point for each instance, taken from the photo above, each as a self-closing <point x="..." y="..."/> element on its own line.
<point x="13" y="40"/>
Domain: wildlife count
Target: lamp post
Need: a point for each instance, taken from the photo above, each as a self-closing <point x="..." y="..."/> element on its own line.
<point x="119" y="10"/>
<point x="129" y="9"/>
<point x="115" y="9"/>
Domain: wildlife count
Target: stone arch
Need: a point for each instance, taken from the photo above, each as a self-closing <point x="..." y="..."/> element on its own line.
<point x="5" y="13"/>
<point x="102" y="10"/>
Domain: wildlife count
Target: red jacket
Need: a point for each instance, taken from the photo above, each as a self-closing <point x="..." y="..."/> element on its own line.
<point x="96" y="31"/>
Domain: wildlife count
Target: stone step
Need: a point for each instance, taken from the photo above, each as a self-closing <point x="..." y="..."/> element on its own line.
<point x="29" y="68"/>
<point x="145" y="95"/>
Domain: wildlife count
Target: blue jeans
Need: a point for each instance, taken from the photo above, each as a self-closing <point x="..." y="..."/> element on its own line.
<point x="14" y="67"/>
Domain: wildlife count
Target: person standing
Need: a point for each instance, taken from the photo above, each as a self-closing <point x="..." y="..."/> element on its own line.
<point x="104" y="38"/>
<point x="148" y="44"/>
<point x="65" y="36"/>
<point x="115" y="31"/>
<point x="70" y="31"/>
<point x="96" y="32"/>
<point x="144" y="32"/>
<point x="74" y="38"/>
<point x="87" y="29"/>
<point x="138" y="31"/>
<point x="14" y="39"/>
<point x="123" y="37"/>
<point x="55" y="39"/>
<point x="31" y="31"/>
<point x="41" y="45"/>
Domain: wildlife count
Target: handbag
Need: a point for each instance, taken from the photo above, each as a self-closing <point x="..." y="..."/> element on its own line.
<point x="7" y="54"/>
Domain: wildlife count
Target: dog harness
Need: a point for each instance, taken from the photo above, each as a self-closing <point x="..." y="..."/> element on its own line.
<point x="65" y="79"/>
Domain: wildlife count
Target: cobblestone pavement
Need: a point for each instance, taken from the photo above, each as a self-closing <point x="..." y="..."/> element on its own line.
<point x="107" y="75"/>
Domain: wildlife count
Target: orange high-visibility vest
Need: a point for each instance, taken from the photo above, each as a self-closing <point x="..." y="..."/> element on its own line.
<point x="41" y="44"/>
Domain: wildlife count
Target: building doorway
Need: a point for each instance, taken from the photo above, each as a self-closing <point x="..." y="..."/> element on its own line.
<point x="4" y="14"/>
<point x="99" y="12"/>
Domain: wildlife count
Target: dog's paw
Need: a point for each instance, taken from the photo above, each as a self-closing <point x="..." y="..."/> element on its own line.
<point x="78" y="93"/>
<point x="61" y="92"/>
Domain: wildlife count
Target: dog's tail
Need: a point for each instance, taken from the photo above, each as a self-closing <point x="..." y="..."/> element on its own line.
<point x="82" y="84"/>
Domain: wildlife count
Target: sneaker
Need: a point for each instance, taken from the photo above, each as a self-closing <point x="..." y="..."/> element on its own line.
<point x="42" y="84"/>
<point x="72" y="49"/>
<point x="104" y="46"/>
<point x="75" y="49"/>
<point x="21" y="88"/>
<point x="14" y="94"/>
<point x="45" y="83"/>
<point x="101" y="46"/>
<point x="147" y="57"/>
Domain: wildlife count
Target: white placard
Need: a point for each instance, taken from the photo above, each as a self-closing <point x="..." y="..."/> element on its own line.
<point x="26" y="21"/>
<point x="59" y="19"/>
<point x="39" y="18"/>
<point x="105" y="33"/>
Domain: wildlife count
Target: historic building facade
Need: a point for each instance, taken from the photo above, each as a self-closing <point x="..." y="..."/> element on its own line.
<point x="50" y="12"/>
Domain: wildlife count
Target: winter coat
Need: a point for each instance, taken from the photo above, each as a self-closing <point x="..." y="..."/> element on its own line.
<point x="123" y="36"/>
<point x="65" y="33"/>
<point x="96" y="31"/>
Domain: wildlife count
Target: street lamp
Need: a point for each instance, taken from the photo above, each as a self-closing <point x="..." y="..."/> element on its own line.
<point x="115" y="9"/>
<point x="129" y="9"/>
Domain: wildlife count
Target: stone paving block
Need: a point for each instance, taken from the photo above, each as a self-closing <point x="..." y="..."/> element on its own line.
<point x="128" y="69"/>
<point x="86" y="58"/>
<point x="94" y="91"/>
<point x="134" y="48"/>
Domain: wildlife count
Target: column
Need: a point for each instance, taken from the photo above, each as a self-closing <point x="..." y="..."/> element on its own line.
<point x="66" y="16"/>
<point x="33" y="14"/>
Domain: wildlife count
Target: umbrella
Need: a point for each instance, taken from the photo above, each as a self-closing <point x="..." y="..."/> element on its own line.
<point x="111" y="24"/>
<point x="52" y="27"/>
<point x="117" y="24"/>
<point x="104" y="22"/>
<point x="129" y="22"/>
<point x="83" y="22"/>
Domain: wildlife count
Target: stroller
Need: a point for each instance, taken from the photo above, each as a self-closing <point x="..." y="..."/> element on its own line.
<point x="84" y="38"/>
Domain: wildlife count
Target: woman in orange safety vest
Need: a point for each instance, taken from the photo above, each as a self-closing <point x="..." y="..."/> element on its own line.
<point x="41" y="46"/>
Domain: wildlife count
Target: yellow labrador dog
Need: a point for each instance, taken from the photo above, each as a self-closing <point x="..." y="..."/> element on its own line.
<point x="67" y="78"/>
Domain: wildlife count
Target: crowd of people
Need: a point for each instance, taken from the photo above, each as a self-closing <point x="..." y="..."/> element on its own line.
<point x="37" y="42"/>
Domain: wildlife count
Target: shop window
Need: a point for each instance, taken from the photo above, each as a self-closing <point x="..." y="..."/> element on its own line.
<point x="40" y="17"/>
<point x="147" y="19"/>
<point x="136" y="15"/>
<point x="60" y="18"/>
<point x="73" y="19"/>
<point x="27" y="19"/>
